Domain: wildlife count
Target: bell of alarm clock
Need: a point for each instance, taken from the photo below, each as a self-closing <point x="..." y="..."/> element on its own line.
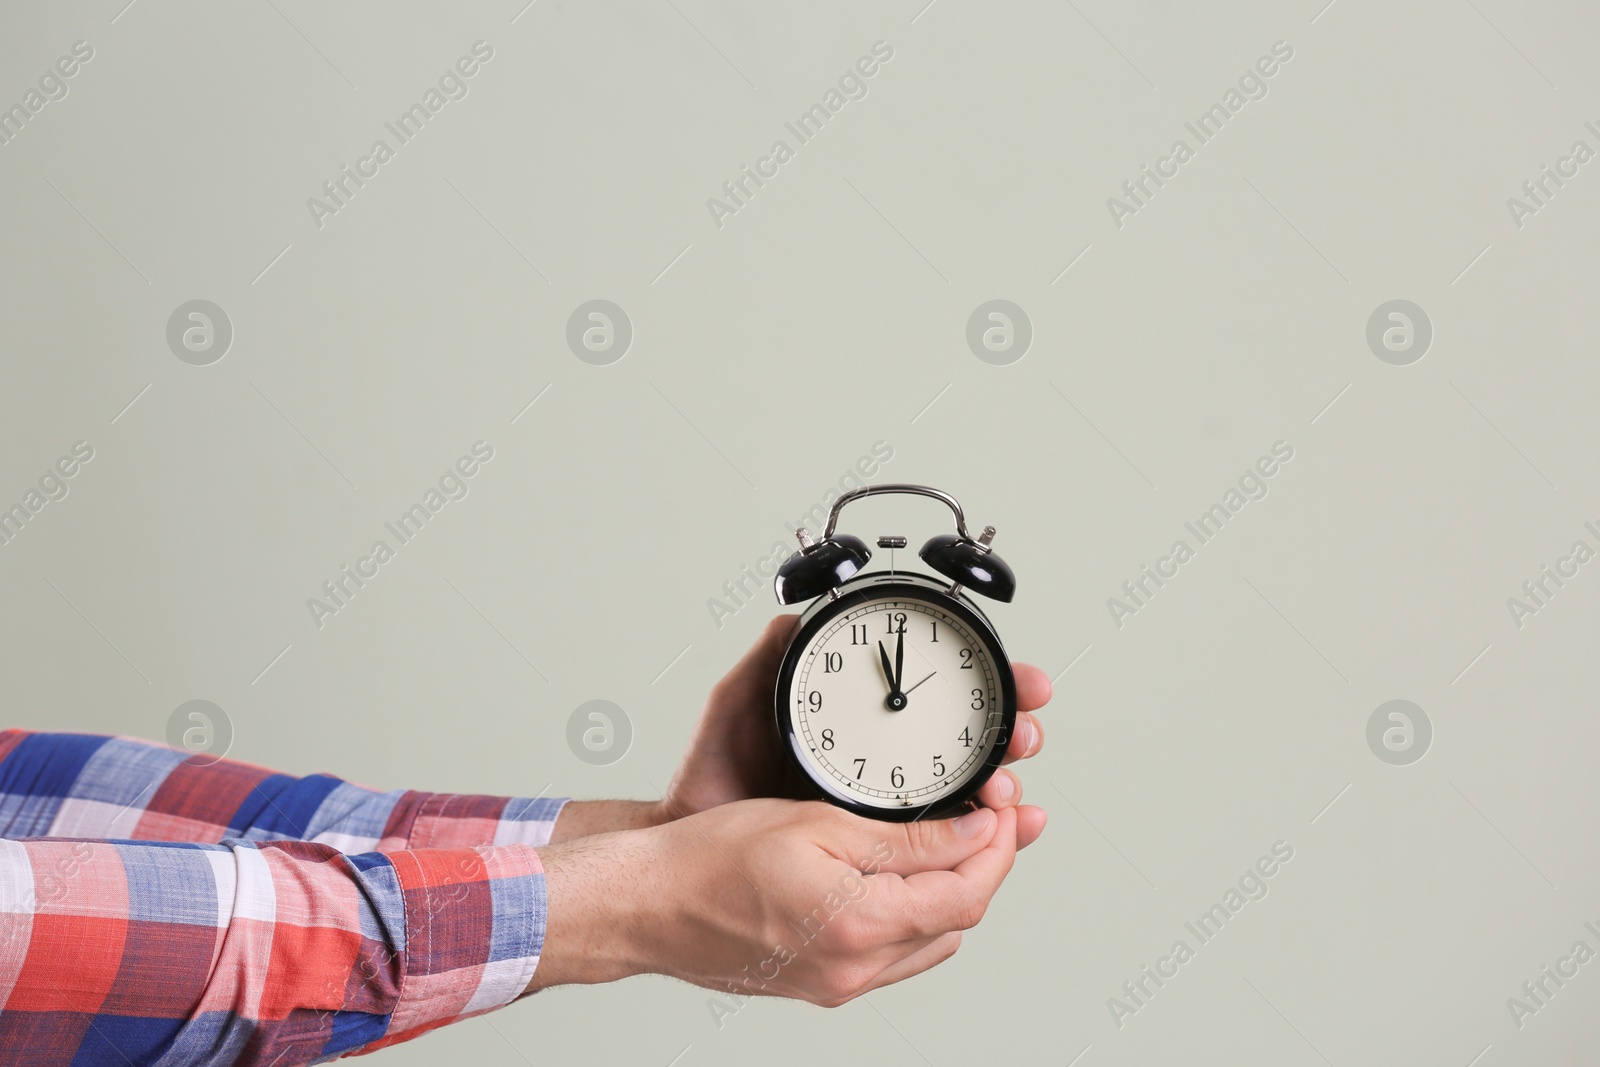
<point x="824" y="565"/>
<point x="820" y="567"/>
<point x="971" y="564"/>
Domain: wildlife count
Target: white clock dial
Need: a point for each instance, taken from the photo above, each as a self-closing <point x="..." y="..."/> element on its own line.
<point x="841" y="697"/>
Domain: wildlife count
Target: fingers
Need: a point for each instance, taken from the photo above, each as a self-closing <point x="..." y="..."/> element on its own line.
<point x="928" y="843"/>
<point x="1033" y="693"/>
<point x="1027" y="738"/>
<point x="930" y="953"/>
<point x="1030" y="824"/>
<point x="1033" y="686"/>
<point x="935" y="902"/>
<point x="985" y="871"/>
<point x="914" y="922"/>
<point x="1004" y="790"/>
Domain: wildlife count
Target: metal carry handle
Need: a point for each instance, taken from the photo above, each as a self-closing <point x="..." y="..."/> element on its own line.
<point x="898" y="487"/>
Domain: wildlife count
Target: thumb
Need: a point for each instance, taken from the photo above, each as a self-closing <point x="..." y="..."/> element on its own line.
<point x="775" y="638"/>
<point x="767" y="652"/>
<point x="751" y="678"/>
<point x="936" y="844"/>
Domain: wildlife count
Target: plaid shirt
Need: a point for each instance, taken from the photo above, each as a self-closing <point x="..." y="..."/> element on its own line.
<point x="158" y="910"/>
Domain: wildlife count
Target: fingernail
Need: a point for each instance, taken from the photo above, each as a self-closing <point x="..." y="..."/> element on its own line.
<point x="1005" y="785"/>
<point x="1029" y="734"/>
<point x="974" y="824"/>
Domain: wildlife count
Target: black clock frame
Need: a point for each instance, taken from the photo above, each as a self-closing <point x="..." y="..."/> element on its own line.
<point x="884" y="585"/>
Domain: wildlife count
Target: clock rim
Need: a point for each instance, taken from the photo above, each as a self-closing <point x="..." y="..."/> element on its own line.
<point x="881" y="585"/>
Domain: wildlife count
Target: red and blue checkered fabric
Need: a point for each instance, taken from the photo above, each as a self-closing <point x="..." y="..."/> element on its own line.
<point x="158" y="911"/>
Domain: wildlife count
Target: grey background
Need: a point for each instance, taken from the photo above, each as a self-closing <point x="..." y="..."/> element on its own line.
<point x="768" y="355"/>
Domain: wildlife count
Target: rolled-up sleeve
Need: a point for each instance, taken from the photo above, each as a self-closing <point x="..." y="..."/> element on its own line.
<point x="95" y="786"/>
<point x="254" y="952"/>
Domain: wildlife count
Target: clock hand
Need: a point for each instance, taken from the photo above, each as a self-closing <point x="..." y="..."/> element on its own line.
<point x="896" y="699"/>
<point x="908" y="691"/>
<point x="900" y="659"/>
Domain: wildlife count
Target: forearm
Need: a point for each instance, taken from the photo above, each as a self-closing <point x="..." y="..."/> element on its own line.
<point x="583" y="818"/>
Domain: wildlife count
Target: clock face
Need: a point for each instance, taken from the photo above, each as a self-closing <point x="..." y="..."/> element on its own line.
<point x="896" y="703"/>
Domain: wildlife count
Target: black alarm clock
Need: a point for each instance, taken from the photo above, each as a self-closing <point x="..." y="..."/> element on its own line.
<point x="895" y="697"/>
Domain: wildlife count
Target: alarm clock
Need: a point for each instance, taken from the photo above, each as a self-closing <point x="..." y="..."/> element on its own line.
<point x="895" y="696"/>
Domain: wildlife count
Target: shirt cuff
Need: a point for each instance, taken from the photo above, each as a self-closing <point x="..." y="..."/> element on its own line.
<point x="455" y="820"/>
<point x="529" y="820"/>
<point x="474" y="928"/>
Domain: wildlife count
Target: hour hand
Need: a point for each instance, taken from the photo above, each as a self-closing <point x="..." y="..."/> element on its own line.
<point x="896" y="699"/>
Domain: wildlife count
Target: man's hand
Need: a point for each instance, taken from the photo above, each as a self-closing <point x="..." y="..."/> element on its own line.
<point x="736" y="754"/>
<point x="768" y="897"/>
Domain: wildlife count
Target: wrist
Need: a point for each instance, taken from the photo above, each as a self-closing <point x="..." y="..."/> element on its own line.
<point x="602" y="899"/>
<point x="584" y="818"/>
<point x="664" y="811"/>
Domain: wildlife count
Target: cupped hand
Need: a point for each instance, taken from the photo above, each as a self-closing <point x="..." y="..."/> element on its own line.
<point x="772" y="898"/>
<point x="735" y="752"/>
